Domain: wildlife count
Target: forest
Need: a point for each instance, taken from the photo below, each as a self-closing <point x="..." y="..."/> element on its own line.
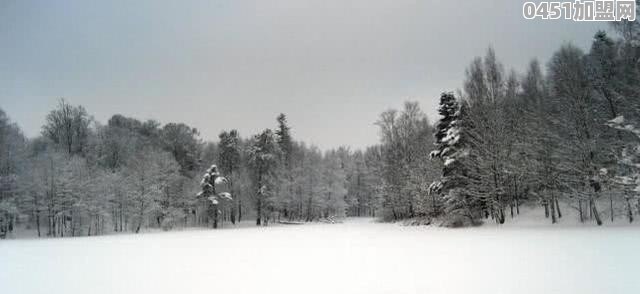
<point x="561" y="135"/>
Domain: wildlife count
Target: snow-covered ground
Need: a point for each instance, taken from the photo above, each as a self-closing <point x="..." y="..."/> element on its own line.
<point x="358" y="256"/>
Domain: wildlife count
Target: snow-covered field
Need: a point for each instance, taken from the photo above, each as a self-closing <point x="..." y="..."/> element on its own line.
<point x="357" y="256"/>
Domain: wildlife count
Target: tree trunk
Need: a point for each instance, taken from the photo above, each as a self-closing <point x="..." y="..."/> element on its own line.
<point x="434" y="206"/>
<point x="553" y="211"/>
<point x="232" y="215"/>
<point x="629" y="210"/>
<point x="546" y="209"/>
<point x="309" y="209"/>
<point x="259" y="212"/>
<point x="215" y="216"/>
<point x="49" y="224"/>
<point x="114" y="217"/>
<point x="121" y="213"/>
<point x="580" y="212"/>
<point x="511" y="208"/>
<point x="53" y="226"/>
<point x="73" y="226"/>
<point x="38" y="222"/>
<point x="611" y="205"/>
<point x="555" y="197"/>
<point x="517" y="202"/>
<point x="596" y="215"/>
<point x="141" y="215"/>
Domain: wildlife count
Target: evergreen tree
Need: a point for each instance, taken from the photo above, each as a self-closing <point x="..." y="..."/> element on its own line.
<point x="210" y="180"/>
<point x="229" y="156"/>
<point x="263" y="159"/>
<point x="284" y="139"/>
<point x="602" y="66"/>
<point x="451" y="150"/>
<point x="284" y="186"/>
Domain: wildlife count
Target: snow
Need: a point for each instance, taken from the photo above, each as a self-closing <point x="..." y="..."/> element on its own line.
<point x="453" y="136"/>
<point x="449" y="161"/>
<point x="618" y="120"/>
<point x="225" y="195"/>
<point x="357" y="256"/>
<point x="434" y="154"/>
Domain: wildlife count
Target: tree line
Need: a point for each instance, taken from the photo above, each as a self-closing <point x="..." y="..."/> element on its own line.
<point x="564" y="138"/>
<point x="80" y="177"/>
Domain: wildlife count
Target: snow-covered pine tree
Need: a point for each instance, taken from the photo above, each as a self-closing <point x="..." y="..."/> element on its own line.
<point x="284" y="139"/>
<point x="229" y="156"/>
<point x="285" y="178"/>
<point x="450" y="149"/>
<point x="263" y="159"/>
<point x="208" y="184"/>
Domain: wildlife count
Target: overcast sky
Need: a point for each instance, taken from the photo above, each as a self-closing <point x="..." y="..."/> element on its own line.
<point x="331" y="66"/>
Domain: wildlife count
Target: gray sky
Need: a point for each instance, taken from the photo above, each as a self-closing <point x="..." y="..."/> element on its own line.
<point x="331" y="66"/>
